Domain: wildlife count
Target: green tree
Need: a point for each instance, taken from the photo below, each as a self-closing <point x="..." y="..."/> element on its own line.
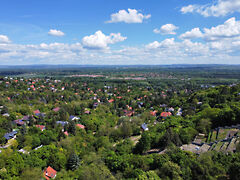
<point x="73" y="162"/>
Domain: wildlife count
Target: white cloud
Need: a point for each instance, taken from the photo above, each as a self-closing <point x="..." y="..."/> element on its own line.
<point x="101" y="41"/>
<point x="54" y="32"/>
<point x="219" y="8"/>
<point x="130" y="16"/>
<point x="219" y="44"/>
<point x="230" y="29"/>
<point x="166" y="29"/>
<point x="167" y="51"/>
<point x="194" y="33"/>
<point x="4" y="39"/>
<point x="163" y="44"/>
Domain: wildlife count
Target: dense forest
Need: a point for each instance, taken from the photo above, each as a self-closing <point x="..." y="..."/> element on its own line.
<point x="170" y="122"/>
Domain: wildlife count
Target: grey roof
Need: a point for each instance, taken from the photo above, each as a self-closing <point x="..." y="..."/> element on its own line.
<point x="63" y="123"/>
<point x="10" y="135"/>
<point x="144" y="126"/>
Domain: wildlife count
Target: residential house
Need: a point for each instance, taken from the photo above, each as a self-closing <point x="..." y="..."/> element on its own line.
<point x="63" y="123"/>
<point x="171" y="109"/>
<point x="66" y="133"/>
<point x="144" y="127"/>
<point x="95" y="105"/>
<point x="73" y="118"/>
<point x="50" y="173"/>
<point x="19" y="122"/>
<point x="42" y="127"/>
<point x="6" y="115"/>
<point x="56" y="109"/>
<point x="111" y="100"/>
<point x="128" y="113"/>
<point x="153" y="113"/>
<point x="80" y="126"/>
<point x="87" y="112"/>
<point x="164" y="115"/>
<point x="10" y="135"/>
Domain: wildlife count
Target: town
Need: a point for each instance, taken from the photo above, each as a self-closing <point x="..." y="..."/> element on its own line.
<point x="87" y="126"/>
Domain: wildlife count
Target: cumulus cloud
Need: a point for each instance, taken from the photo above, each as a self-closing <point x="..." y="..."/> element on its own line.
<point x="101" y="41"/>
<point x="4" y="39"/>
<point x="219" y="44"/>
<point x="230" y="29"/>
<point x="166" y="29"/>
<point x="54" y="32"/>
<point x="194" y="33"/>
<point x="129" y="16"/>
<point x="219" y="8"/>
<point x="163" y="44"/>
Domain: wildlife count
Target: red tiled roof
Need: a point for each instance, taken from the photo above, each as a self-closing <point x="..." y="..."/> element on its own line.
<point x="153" y="113"/>
<point x="111" y="100"/>
<point x="166" y="114"/>
<point x="42" y="127"/>
<point x="50" y="173"/>
<point x="56" y="109"/>
<point x="36" y="111"/>
<point x="80" y="126"/>
<point x="87" y="112"/>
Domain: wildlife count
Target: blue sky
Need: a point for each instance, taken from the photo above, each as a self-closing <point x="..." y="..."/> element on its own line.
<point x="119" y="32"/>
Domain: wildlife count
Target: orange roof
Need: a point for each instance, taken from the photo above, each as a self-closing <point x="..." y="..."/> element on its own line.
<point x="80" y="126"/>
<point x="36" y="111"/>
<point x="153" y="113"/>
<point x="111" y="100"/>
<point x="56" y="109"/>
<point x="166" y="114"/>
<point x="50" y="173"/>
<point x="42" y="127"/>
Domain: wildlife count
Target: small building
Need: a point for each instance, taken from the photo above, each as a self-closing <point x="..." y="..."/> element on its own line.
<point x="56" y="109"/>
<point x="171" y="109"/>
<point x="19" y="122"/>
<point x="63" y="123"/>
<point x="128" y="113"/>
<point x="144" y="127"/>
<point x="95" y="105"/>
<point x="6" y="115"/>
<point x="87" y="112"/>
<point x="80" y="126"/>
<point x="73" y="118"/>
<point x="36" y="112"/>
<point x="66" y="133"/>
<point x="10" y="135"/>
<point x="50" y="173"/>
<point x="164" y="115"/>
<point x="153" y="113"/>
<point x="42" y="127"/>
<point x="111" y="100"/>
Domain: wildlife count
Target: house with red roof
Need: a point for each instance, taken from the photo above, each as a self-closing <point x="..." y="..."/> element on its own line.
<point x="87" y="112"/>
<point x="66" y="133"/>
<point x="56" y="109"/>
<point x="50" y="173"/>
<point x="111" y="100"/>
<point x="164" y="115"/>
<point x="42" y="127"/>
<point x="19" y="122"/>
<point x="36" y="112"/>
<point x="128" y="113"/>
<point x="153" y="113"/>
<point x="80" y="126"/>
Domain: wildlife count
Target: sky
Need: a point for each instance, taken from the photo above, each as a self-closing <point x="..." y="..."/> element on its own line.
<point x="114" y="32"/>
